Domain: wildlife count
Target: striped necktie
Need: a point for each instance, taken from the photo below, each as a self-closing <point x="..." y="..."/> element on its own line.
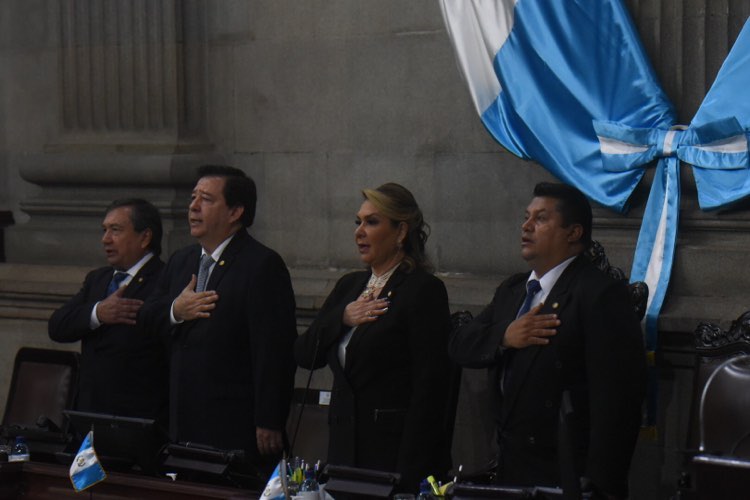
<point x="205" y="266"/>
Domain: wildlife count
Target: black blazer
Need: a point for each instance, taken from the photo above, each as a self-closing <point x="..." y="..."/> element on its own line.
<point x="388" y="406"/>
<point x="597" y="355"/>
<point x="234" y="371"/>
<point x="123" y="368"/>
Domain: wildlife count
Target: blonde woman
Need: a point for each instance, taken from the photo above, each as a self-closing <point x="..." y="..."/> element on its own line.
<point x="384" y="333"/>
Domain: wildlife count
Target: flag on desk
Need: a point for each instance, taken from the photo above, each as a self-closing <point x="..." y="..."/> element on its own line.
<point x="86" y="471"/>
<point x="275" y="486"/>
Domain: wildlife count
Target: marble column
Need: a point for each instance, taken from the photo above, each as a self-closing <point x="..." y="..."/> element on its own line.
<point x="132" y="105"/>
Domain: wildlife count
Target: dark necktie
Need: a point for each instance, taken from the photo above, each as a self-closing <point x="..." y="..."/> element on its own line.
<point x="206" y="263"/>
<point x="117" y="280"/>
<point x="532" y="288"/>
<point x="506" y="378"/>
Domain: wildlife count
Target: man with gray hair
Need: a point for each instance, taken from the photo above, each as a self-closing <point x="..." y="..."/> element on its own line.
<point x="123" y="366"/>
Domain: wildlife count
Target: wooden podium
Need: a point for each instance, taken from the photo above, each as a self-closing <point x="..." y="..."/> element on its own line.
<point x="32" y="480"/>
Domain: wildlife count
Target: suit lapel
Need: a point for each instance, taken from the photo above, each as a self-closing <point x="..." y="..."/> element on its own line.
<point x="142" y="277"/>
<point x="227" y="257"/>
<point x="558" y="297"/>
<point x="99" y="288"/>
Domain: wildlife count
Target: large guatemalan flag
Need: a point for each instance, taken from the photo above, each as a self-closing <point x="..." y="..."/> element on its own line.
<point x="567" y="83"/>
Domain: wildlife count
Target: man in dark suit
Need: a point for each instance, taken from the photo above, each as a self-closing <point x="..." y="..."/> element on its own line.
<point x="229" y="305"/>
<point x="571" y="346"/>
<point x="123" y="366"/>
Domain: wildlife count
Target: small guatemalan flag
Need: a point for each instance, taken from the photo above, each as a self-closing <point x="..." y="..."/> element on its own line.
<point x="86" y="471"/>
<point x="276" y="483"/>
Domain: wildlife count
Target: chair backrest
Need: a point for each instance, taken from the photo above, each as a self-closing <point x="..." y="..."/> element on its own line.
<point x="713" y="348"/>
<point x="307" y="425"/>
<point x="638" y="289"/>
<point x="724" y="413"/>
<point x="43" y="385"/>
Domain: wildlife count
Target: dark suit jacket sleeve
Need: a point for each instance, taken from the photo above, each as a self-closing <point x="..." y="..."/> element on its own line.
<point x="429" y="327"/>
<point x="311" y="347"/>
<point x="271" y="316"/>
<point x="71" y="322"/>
<point x="616" y="372"/>
<point x="478" y="343"/>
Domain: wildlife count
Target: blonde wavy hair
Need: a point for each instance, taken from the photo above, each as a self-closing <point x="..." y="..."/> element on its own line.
<point x="397" y="203"/>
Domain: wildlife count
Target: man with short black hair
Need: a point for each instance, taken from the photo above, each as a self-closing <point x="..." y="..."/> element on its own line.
<point x="123" y="366"/>
<point x="563" y="338"/>
<point x="229" y="306"/>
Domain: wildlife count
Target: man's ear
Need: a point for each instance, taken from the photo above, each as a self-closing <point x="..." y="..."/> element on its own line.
<point x="146" y="236"/>
<point x="575" y="233"/>
<point x="235" y="213"/>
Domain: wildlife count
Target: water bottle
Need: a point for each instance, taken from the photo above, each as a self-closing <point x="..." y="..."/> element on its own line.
<point x="20" y="451"/>
<point x="425" y="491"/>
<point x="310" y="488"/>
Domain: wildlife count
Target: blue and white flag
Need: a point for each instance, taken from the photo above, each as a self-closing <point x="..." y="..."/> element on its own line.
<point x="715" y="144"/>
<point x="541" y="71"/>
<point x="86" y="471"/>
<point x="724" y="184"/>
<point x="276" y="484"/>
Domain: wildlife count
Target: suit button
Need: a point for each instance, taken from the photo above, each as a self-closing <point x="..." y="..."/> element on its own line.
<point x="532" y="440"/>
<point x="548" y="403"/>
<point x="558" y="364"/>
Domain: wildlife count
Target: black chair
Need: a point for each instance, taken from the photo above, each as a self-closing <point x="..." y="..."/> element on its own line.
<point x="718" y="478"/>
<point x="718" y="442"/>
<point x="724" y="413"/>
<point x="307" y="425"/>
<point x="43" y="384"/>
<point x="638" y="289"/>
<point x="721" y="469"/>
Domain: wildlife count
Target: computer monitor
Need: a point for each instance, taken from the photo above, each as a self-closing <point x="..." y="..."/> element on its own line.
<point x="121" y="443"/>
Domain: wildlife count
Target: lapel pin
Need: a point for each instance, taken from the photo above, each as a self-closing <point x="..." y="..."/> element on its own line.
<point x="221" y="262"/>
<point x="140" y="280"/>
<point x="555" y="305"/>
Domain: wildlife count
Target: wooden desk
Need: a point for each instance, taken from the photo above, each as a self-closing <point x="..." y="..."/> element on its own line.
<point x="34" y="481"/>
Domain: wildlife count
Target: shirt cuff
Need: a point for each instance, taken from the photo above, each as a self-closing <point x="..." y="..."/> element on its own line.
<point x="94" y="322"/>
<point x="172" y="320"/>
